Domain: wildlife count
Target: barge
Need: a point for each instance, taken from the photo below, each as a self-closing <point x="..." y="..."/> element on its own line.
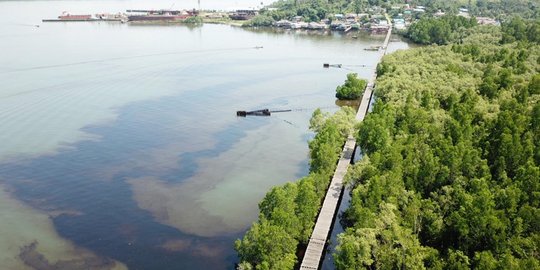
<point x="66" y="17"/>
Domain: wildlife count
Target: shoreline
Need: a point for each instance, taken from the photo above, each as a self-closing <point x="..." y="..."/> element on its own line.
<point x="223" y="21"/>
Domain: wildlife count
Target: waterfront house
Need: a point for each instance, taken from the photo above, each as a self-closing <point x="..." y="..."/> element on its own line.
<point x="439" y="13"/>
<point x="339" y="17"/>
<point x="486" y="21"/>
<point x="283" y="24"/>
<point x="399" y="23"/>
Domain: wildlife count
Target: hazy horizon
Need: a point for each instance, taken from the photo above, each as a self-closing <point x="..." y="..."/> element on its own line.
<point x="183" y="4"/>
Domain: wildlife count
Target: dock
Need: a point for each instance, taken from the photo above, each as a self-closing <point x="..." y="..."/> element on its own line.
<point x="323" y="226"/>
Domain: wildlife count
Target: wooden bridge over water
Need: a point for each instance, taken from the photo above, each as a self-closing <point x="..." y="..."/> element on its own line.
<point x="317" y="243"/>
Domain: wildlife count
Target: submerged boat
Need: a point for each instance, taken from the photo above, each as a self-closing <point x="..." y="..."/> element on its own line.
<point x="263" y="112"/>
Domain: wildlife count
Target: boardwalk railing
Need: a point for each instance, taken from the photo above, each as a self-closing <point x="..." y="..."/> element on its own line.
<point x="321" y="231"/>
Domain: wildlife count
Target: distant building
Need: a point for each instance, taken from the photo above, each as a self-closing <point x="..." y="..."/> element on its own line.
<point x="486" y="21"/>
<point x="464" y="14"/>
<point x="399" y="26"/>
<point x="399" y="23"/>
<point x="215" y="15"/>
<point x="379" y="29"/>
<point x="283" y="24"/>
<point x="243" y="14"/>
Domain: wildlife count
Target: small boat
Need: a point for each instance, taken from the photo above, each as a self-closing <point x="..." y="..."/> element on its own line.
<point x="373" y="48"/>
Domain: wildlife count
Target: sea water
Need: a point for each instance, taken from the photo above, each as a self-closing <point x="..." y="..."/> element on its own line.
<point x="120" y="145"/>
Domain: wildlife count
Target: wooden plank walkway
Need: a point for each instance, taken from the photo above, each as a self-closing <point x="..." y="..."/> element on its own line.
<point x="321" y="231"/>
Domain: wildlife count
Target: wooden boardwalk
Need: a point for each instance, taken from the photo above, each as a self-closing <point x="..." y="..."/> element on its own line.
<point x="321" y="231"/>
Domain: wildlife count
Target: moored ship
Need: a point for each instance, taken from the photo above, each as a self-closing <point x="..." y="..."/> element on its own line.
<point x="66" y="17"/>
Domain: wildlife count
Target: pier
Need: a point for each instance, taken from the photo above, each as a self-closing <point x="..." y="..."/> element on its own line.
<point x="323" y="226"/>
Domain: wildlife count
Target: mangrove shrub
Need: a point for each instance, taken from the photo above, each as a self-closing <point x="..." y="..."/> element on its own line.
<point x="353" y="88"/>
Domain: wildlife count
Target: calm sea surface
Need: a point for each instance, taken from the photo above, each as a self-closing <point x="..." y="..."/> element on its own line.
<point x="119" y="144"/>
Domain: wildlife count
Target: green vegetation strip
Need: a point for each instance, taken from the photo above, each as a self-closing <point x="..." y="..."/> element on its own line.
<point x="450" y="176"/>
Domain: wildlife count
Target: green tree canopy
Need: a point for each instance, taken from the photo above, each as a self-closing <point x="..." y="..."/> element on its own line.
<point x="353" y="88"/>
<point x="451" y="164"/>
